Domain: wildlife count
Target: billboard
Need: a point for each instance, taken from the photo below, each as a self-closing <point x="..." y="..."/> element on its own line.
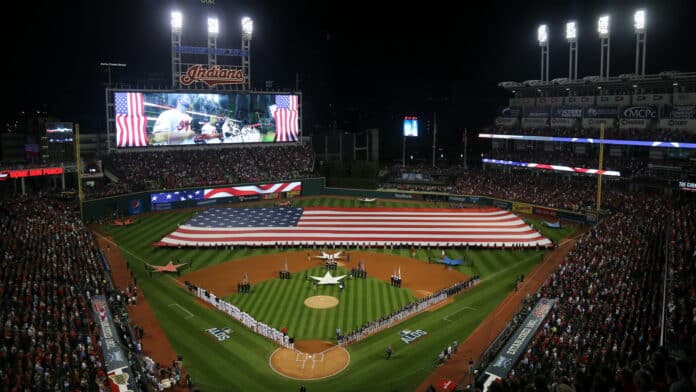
<point x="602" y="112"/>
<point x="639" y="112"/>
<point x="516" y="345"/>
<point x="410" y="126"/>
<point x="171" y="118"/>
<point x="59" y="132"/>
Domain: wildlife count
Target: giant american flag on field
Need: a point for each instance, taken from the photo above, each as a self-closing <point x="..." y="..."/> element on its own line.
<point x="490" y="227"/>
<point x="285" y="116"/>
<point x="131" y="121"/>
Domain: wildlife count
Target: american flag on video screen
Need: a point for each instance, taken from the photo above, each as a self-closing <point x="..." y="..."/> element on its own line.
<point x="327" y="225"/>
<point x="285" y="117"/>
<point x="131" y="121"/>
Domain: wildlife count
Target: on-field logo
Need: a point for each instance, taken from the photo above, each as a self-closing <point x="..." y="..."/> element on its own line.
<point x="221" y="334"/>
<point x="408" y="336"/>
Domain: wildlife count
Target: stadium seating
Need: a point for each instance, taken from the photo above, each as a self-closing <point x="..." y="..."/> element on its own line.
<point x="171" y="169"/>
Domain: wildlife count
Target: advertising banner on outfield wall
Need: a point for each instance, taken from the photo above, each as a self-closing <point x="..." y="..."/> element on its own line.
<point x="471" y="199"/>
<point x="545" y="212"/>
<point x="521" y="207"/>
<point x="506" y="205"/>
<point x="681" y="124"/>
<point x="517" y="344"/>
<point x="595" y="123"/>
<point x="115" y="360"/>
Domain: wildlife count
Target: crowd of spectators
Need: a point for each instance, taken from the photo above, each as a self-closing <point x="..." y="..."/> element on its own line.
<point x="565" y="191"/>
<point x="681" y="305"/>
<point x="671" y="135"/>
<point x="49" y="270"/>
<point x="171" y="169"/>
<point x="603" y="333"/>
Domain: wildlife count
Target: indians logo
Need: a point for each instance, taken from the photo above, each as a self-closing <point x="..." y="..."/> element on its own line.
<point x="212" y="76"/>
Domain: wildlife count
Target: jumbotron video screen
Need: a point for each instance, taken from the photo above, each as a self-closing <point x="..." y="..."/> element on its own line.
<point x="164" y="118"/>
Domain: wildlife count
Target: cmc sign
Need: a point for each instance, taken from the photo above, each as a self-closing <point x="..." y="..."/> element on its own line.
<point x="44" y="171"/>
<point x="212" y="76"/>
<point x="642" y="112"/>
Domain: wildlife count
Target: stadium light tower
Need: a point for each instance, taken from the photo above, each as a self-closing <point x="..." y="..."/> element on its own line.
<point x="572" y="37"/>
<point x="213" y="31"/>
<point x="177" y="24"/>
<point x="247" y="31"/>
<point x="543" y="38"/>
<point x="639" y="25"/>
<point x="603" y="30"/>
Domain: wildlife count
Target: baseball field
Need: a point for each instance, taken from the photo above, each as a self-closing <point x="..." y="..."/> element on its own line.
<point x="221" y="354"/>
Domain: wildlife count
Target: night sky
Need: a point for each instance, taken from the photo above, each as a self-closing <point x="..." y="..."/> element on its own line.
<point x="362" y="64"/>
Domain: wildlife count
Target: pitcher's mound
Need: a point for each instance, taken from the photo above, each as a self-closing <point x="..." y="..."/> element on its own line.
<point x="311" y="365"/>
<point x="321" y="302"/>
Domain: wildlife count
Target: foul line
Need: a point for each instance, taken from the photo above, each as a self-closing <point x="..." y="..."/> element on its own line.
<point x="191" y="315"/>
<point x="450" y="315"/>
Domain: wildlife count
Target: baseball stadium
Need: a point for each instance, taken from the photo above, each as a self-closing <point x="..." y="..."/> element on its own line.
<point x="209" y="237"/>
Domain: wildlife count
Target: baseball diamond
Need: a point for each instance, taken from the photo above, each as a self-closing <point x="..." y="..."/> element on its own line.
<point x="280" y="303"/>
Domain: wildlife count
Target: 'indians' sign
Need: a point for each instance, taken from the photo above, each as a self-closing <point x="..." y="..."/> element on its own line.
<point x="212" y="76"/>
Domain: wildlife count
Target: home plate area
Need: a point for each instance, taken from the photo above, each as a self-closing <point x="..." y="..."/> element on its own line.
<point x="303" y="358"/>
<point x="310" y="360"/>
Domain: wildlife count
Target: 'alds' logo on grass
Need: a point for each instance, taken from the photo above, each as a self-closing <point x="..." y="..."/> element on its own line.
<point x="411" y="336"/>
<point x="221" y="334"/>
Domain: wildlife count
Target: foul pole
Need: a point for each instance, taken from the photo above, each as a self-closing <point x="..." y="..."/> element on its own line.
<point x="601" y="166"/>
<point x="78" y="168"/>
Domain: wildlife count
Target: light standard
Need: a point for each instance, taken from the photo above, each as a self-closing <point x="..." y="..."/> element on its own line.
<point x="572" y="37"/>
<point x="639" y="26"/>
<point x="177" y="24"/>
<point x="247" y="31"/>
<point x="213" y="31"/>
<point x="603" y="30"/>
<point x="543" y="38"/>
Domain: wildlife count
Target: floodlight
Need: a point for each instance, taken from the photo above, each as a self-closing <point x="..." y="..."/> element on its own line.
<point x="177" y="20"/>
<point x="603" y="26"/>
<point x="571" y="31"/>
<point x="213" y="26"/>
<point x="542" y="35"/>
<point x="639" y="21"/>
<point x="247" y="26"/>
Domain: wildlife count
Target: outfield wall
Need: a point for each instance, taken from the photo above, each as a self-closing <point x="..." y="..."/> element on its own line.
<point x="140" y="202"/>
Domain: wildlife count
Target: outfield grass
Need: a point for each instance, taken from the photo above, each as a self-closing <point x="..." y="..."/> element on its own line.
<point x="241" y="362"/>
